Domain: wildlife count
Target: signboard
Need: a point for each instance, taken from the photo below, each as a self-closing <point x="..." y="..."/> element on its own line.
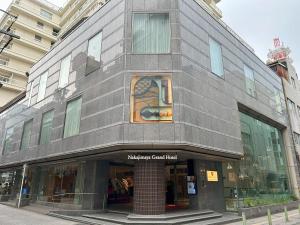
<point x="191" y="185"/>
<point x="212" y="176"/>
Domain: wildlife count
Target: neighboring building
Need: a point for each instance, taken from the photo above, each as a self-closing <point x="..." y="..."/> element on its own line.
<point x="148" y="107"/>
<point x="36" y="24"/>
<point x="280" y="61"/>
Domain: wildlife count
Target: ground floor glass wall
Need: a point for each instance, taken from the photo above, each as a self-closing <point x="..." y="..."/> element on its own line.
<point x="57" y="183"/>
<point x="10" y="183"/>
<point x="261" y="176"/>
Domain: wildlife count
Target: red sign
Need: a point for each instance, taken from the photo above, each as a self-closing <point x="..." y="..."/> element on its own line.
<point x="277" y="43"/>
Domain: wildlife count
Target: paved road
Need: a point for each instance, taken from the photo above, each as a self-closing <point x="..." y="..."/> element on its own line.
<point x="13" y="216"/>
<point x="277" y="219"/>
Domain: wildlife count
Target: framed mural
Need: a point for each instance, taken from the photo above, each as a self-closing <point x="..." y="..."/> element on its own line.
<point x="151" y="99"/>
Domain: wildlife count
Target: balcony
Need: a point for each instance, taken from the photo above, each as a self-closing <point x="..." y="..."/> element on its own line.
<point x="11" y="83"/>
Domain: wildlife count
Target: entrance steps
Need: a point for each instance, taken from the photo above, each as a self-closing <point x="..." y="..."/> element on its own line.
<point x="205" y="217"/>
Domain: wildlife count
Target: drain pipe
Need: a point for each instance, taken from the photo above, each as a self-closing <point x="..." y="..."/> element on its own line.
<point x="22" y="183"/>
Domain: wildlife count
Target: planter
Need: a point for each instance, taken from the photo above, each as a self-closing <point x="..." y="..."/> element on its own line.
<point x="4" y="198"/>
<point x="262" y="210"/>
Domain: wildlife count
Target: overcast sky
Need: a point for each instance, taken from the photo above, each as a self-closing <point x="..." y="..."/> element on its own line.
<point x="257" y="22"/>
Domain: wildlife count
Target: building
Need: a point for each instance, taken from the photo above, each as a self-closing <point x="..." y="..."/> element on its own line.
<point x="37" y="25"/>
<point x="280" y="61"/>
<point x="40" y="24"/>
<point x="148" y="107"/>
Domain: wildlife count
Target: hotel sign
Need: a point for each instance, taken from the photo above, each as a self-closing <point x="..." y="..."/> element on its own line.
<point x="212" y="176"/>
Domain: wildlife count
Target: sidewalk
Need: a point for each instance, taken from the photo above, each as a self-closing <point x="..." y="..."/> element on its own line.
<point x="277" y="219"/>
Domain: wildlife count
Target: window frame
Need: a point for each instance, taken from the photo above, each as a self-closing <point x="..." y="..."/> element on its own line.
<point x="59" y="79"/>
<point x="25" y="123"/>
<point x="38" y="99"/>
<point x="222" y="58"/>
<point x="245" y="76"/>
<point x="41" y="126"/>
<point x="50" y="17"/>
<point x="65" y="116"/>
<point x="4" y="150"/>
<point x="87" y="72"/>
<point x="37" y="39"/>
<point x="132" y="34"/>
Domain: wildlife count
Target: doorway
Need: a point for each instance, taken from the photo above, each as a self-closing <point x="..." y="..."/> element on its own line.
<point x="120" y="187"/>
<point x="176" y="186"/>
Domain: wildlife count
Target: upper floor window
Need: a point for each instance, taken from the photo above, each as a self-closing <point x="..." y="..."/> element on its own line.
<point x="72" y="119"/>
<point x="94" y="52"/>
<point x="216" y="60"/>
<point x="250" y="84"/>
<point x="46" y="127"/>
<point x="30" y="94"/>
<point x="292" y="107"/>
<point x="40" y="25"/>
<point x="26" y="134"/>
<point x="7" y="145"/>
<point x="42" y="86"/>
<point x="64" y="71"/>
<point x="37" y="38"/>
<point x="151" y="33"/>
<point x="46" y="14"/>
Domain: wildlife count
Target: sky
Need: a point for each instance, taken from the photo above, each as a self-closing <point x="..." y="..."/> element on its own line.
<point x="257" y="22"/>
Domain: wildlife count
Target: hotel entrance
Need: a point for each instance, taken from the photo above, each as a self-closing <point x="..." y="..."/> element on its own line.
<point x="120" y="187"/>
<point x="176" y="186"/>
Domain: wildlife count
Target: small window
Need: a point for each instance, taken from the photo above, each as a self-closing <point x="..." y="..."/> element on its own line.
<point x="27" y="129"/>
<point x="30" y="94"/>
<point x="37" y="38"/>
<point x="151" y="33"/>
<point x="64" y="71"/>
<point x="250" y="83"/>
<point x="94" y="53"/>
<point x="40" y="25"/>
<point x="7" y="146"/>
<point x="42" y="86"/>
<point x="151" y="99"/>
<point x="46" y="127"/>
<point x="46" y="14"/>
<point x="72" y="120"/>
<point x="216" y="60"/>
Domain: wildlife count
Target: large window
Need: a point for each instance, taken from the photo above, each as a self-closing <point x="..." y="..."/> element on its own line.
<point x="94" y="52"/>
<point x="64" y="71"/>
<point x="216" y="60"/>
<point x="26" y="135"/>
<point x="42" y="86"/>
<point x="151" y="99"/>
<point x="46" y="127"/>
<point x="151" y="33"/>
<point x="8" y="140"/>
<point x="260" y="177"/>
<point x="72" y="120"/>
<point x="250" y="84"/>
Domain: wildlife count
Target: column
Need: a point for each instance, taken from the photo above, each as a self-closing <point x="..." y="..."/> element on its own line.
<point x="149" y="187"/>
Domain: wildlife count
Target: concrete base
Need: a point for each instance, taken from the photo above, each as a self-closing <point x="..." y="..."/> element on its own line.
<point x="262" y="210"/>
<point x="4" y="198"/>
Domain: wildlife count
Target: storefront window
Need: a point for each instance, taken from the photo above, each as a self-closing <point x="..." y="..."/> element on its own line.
<point x="10" y="183"/>
<point x="261" y="176"/>
<point x="58" y="183"/>
<point x="151" y="99"/>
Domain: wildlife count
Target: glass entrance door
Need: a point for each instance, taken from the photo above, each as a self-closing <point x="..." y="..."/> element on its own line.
<point x="176" y="186"/>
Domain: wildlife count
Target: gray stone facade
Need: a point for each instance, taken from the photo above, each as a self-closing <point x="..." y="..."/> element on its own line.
<point x="206" y="117"/>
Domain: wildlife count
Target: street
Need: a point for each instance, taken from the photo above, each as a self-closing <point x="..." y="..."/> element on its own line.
<point x="13" y="216"/>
